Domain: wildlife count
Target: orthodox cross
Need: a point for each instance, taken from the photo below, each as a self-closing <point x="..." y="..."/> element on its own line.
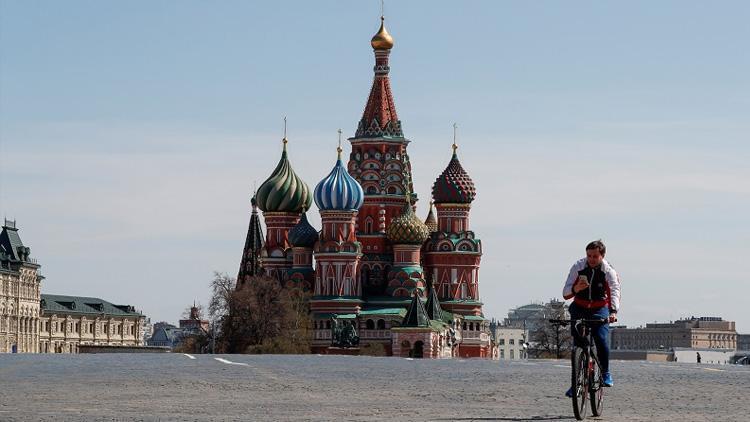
<point x="339" y="148"/>
<point x="284" y="139"/>
<point x="455" y="129"/>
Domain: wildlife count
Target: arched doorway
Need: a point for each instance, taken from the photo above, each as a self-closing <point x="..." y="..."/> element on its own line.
<point x="418" y="351"/>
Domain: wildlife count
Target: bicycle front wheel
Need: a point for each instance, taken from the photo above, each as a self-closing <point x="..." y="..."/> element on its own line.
<point x="596" y="387"/>
<point x="580" y="364"/>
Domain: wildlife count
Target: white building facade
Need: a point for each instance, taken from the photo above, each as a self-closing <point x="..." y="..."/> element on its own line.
<point x="71" y="321"/>
<point x="511" y="343"/>
<point x="20" y="289"/>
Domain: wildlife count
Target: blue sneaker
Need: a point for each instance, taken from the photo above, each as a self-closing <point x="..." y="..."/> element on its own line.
<point x="607" y="380"/>
<point x="569" y="393"/>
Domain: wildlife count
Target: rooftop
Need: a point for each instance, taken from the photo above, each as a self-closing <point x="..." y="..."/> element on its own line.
<point x="85" y="305"/>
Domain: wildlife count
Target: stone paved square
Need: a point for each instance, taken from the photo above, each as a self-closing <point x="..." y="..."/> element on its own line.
<point x="166" y="387"/>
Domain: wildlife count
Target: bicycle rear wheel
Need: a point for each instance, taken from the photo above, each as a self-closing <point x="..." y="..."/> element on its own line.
<point x="580" y="382"/>
<point x="596" y="388"/>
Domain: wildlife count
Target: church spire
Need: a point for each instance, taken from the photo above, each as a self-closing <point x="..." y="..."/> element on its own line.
<point x="250" y="263"/>
<point x="379" y="118"/>
<point x="416" y="316"/>
<point x="434" y="311"/>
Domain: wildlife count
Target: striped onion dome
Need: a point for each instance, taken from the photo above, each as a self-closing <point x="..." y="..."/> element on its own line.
<point x="407" y="228"/>
<point x="339" y="190"/>
<point x="454" y="186"/>
<point x="284" y="191"/>
<point x="303" y="235"/>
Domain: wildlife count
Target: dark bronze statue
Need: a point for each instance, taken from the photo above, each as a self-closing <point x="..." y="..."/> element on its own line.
<point x="343" y="333"/>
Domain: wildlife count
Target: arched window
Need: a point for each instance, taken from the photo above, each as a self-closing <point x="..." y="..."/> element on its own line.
<point x="368" y="225"/>
<point x="465" y="326"/>
<point x="370" y="324"/>
<point x="381" y="324"/>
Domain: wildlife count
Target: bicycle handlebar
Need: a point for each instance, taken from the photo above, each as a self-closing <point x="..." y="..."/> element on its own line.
<point x="581" y="320"/>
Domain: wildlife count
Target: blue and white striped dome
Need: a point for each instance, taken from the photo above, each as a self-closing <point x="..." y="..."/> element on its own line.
<point x="339" y="190"/>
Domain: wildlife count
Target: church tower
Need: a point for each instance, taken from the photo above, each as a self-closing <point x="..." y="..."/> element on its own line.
<point x="407" y="233"/>
<point x="380" y="163"/>
<point x="337" y="251"/>
<point x="283" y="197"/>
<point x="452" y="257"/>
<point x="453" y="253"/>
<point x="250" y="263"/>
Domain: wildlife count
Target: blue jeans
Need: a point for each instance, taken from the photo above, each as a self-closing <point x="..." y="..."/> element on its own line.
<point x="600" y="334"/>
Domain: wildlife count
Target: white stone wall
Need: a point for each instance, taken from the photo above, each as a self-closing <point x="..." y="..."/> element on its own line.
<point x="722" y="357"/>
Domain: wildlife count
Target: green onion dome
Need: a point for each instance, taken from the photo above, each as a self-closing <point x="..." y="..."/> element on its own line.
<point x="454" y="186"/>
<point x="303" y="235"/>
<point x="407" y="228"/>
<point x="284" y="191"/>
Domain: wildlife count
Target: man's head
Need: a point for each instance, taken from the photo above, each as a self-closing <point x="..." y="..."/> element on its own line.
<point x="595" y="253"/>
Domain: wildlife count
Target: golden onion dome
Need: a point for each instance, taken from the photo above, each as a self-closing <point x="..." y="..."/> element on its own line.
<point x="382" y="40"/>
<point x="407" y="228"/>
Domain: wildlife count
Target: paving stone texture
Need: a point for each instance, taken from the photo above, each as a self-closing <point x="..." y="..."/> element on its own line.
<point x="165" y="387"/>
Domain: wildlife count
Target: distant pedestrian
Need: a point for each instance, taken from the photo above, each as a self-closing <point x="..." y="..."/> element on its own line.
<point x="698" y="357"/>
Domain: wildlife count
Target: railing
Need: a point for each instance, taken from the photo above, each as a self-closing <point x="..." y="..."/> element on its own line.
<point x="475" y="335"/>
<point x="363" y="334"/>
<point x="374" y="334"/>
<point x="322" y="334"/>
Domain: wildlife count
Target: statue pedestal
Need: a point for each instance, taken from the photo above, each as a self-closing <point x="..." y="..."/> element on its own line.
<point x="348" y="351"/>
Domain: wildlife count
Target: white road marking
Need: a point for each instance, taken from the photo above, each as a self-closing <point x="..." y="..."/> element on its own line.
<point x="713" y="369"/>
<point x="228" y="362"/>
<point x="563" y="366"/>
<point x="190" y="356"/>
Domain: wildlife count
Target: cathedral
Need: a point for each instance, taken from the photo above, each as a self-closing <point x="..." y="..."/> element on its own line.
<point x="407" y="286"/>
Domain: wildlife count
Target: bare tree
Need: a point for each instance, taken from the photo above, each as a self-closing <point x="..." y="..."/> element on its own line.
<point x="551" y="341"/>
<point x="263" y="317"/>
<point x="296" y="324"/>
<point x="222" y="287"/>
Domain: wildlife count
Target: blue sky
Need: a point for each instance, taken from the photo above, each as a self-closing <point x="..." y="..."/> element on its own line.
<point x="131" y="135"/>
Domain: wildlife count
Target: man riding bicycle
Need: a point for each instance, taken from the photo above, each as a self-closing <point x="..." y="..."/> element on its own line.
<point x="594" y="287"/>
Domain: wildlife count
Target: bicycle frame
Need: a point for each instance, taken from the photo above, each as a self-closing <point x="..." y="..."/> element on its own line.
<point x="586" y="370"/>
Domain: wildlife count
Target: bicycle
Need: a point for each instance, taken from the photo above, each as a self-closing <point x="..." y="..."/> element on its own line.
<point x="586" y="372"/>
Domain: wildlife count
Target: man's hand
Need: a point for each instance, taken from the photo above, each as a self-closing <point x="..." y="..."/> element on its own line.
<point x="613" y="317"/>
<point x="580" y="284"/>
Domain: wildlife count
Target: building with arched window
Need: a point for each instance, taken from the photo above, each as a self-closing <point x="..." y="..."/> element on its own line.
<point x="20" y="287"/>
<point x="372" y="256"/>
<point x="69" y="322"/>
<point x="32" y="322"/>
